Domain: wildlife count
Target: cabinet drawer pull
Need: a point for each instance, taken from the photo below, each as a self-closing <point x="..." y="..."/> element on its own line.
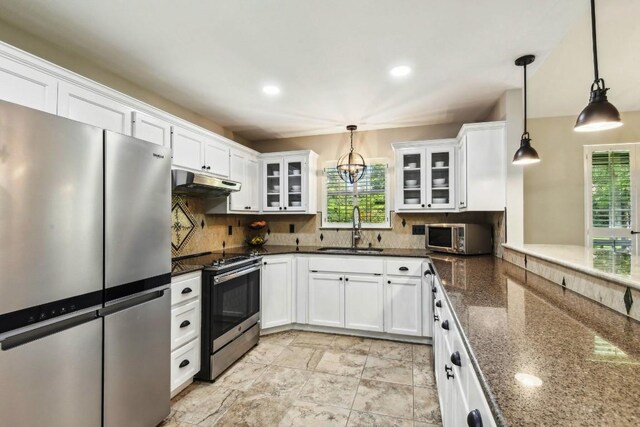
<point x="185" y="324"/>
<point x="427" y="273"/>
<point x="474" y="419"/>
<point x="434" y="289"/>
<point x="455" y="358"/>
<point x="186" y="290"/>
<point x="439" y="304"/>
<point x="184" y="363"/>
<point x="445" y="325"/>
<point x="403" y="269"/>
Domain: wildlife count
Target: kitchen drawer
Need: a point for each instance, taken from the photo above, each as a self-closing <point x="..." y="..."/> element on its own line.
<point x="351" y="265"/>
<point x="404" y="267"/>
<point x="476" y="401"/>
<point x="185" y="363"/>
<point x="185" y="323"/>
<point x="185" y="287"/>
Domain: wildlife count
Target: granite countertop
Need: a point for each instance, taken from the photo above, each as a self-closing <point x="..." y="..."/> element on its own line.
<point x="618" y="267"/>
<point x="587" y="356"/>
<point x="186" y="265"/>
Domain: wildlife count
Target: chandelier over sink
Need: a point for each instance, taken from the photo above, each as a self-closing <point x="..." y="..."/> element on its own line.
<point x="351" y="166"/>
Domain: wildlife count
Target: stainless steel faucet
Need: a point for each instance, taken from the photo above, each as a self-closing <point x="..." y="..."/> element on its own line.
<point x="357" y="226"/>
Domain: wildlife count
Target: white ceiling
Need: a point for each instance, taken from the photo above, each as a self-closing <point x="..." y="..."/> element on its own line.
<point x="330" y="57"/>
<point x="561" y="86"/>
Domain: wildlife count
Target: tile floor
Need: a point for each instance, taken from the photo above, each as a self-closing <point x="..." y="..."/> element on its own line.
<point x="299" y="378"/>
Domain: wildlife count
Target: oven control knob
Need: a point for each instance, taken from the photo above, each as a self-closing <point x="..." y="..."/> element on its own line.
<point x="239" y="328"/>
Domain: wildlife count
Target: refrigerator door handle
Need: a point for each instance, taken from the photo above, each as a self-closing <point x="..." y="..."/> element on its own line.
<point x="131" y="302"/>
<point x="44" y="331"/>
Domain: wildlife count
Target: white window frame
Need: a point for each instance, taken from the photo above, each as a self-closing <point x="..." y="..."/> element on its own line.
<point x="591" y="232"/>
<point x="365" y="225"/>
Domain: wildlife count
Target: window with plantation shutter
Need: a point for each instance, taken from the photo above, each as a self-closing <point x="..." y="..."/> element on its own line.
<point x="610" y="197"/>
<point x="369" y="193"/>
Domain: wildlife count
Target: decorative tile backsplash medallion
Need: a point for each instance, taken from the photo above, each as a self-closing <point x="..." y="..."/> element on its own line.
<point x="183" y="225"/>
<point x="208" y="232"/>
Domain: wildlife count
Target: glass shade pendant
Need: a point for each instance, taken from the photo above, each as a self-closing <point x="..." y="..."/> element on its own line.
<point x="526" y="154"/>
<point x="599" y="114"/>
<point x="351" y="166"/>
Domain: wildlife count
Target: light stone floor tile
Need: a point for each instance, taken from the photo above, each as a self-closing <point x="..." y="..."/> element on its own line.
<point x="313" y="339"/>
<point x="349" y="344"/>
<point x="422" y="353"/>
<point x="281" y="382"/>
<point x="423" y="375"/>
<point x="171" y="421"/>
<point x="280" y="338"/>
<point x="327" y="389"/>
<point x="255" y="411"/>
<point x="204" y="404"/>
<point x="426" y="406"/>
<point x="391" y="350"/>
<point x="395" y="400"/>
<point x="366" y="419"/>
<point x="389" y="370"/>
<point x="241" y="375"/>
<point x="306" y="414"/>
<point x="264" y="353"/>
<point x="339" y="363"/>
<point x="299" y="357"/>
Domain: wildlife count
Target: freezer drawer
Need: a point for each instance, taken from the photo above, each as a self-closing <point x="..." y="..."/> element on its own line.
<point x="137" y="361"/>
<point x="55" y="380"/>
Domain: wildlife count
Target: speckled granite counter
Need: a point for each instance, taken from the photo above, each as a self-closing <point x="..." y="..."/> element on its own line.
<point x="587" y="356"/>
<point x="187" y="265"/>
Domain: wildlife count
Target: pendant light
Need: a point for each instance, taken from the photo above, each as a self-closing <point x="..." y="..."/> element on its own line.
<point x="526" y="154"/>
<point x="351" y="166"/>
<point x="599" y="114"/>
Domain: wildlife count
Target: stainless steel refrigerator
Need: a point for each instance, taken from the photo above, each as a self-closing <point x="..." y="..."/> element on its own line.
<point x="84" y="274"/>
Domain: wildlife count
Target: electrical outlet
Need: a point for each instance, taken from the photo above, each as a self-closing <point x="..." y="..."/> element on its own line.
<point x="292" y="228"/>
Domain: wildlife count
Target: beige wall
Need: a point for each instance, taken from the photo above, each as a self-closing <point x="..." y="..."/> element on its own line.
<point x="66" y="59"/>
<point x="554" y="188"/>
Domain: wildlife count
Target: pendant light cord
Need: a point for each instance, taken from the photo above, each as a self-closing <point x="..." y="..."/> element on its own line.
<point x="525" y="100"/>
<point x="595" y="45"/>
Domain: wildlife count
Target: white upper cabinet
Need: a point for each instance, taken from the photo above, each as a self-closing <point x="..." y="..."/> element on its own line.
<point x="425" y="176"/>
<point x="187" y="149"/>
<point x="149" y="128"/>
<point x="86" y="106"/>
<point x="289" y="182"/>
<point x="216" y="157"/>
<point x="27" y="86"/>
<point x="483" y="167"/>
<point x="244" y="169"/>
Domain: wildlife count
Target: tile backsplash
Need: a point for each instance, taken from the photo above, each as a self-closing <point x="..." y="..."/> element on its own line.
<point x="192" y="231"/>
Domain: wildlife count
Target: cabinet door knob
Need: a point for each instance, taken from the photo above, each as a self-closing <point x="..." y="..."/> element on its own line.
<point x="185" y="324"/>
<point x="280" y="208"/>
<point x="429" y="205"/>
<point x="423" y="205"/>
<point x="455" y="358"/>
<point x="389" y="281"/>
<point x="438" y="303"/>
<point x="474" y="419"/>
<point x="445" y="325"/>
<point x="203" y="167"/>
<point x="404" y="269"/>
<point x="265" y="263"/>
<point x="346" y="279"/>
<point x="208" y="167"/>
<point x="434" y="289"/>
<point x="340" y="278"/>
<point x="184" y="363"/>
<point x="285" y="208"/>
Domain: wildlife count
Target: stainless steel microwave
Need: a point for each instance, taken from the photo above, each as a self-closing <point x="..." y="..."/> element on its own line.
<point x="465" y="239"/>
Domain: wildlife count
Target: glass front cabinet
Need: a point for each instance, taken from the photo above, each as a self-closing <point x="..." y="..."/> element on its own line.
<point x="425" y="176"/>
<point x="289" y="183"/>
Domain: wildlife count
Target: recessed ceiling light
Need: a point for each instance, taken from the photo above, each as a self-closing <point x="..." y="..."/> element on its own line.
<point x="400" y="71"/>
<point x="271" y="90"/>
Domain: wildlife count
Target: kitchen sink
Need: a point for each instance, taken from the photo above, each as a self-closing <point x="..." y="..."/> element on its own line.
<point x="338" y="250"/>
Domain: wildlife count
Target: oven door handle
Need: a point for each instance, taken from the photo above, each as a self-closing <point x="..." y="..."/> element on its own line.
<point x="234" y="274"/>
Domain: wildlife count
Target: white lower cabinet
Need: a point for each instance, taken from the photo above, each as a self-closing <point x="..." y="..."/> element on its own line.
<point x="276" y="291"/>
<point x="403" y="311"/>
<point x="364" y="302"/>
<point x="326" y="299"/>
<point x="185" y="329"/>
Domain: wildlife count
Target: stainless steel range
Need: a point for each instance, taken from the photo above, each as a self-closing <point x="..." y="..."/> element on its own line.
<point x="230" y="312"/>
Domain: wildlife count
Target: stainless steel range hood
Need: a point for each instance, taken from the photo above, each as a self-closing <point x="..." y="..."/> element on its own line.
<point x="201" y="185"/>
